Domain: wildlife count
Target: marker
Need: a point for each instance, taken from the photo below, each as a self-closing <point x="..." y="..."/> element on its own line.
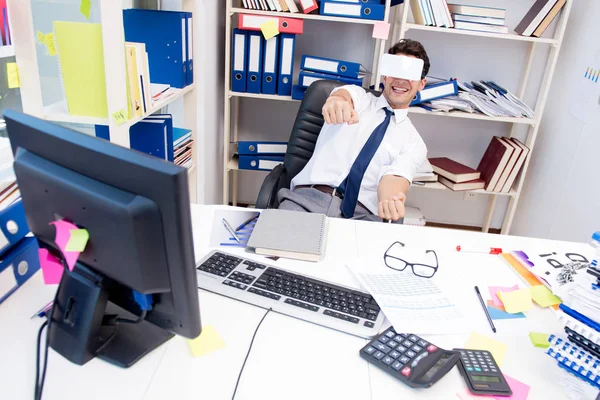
<point x="487" y="314"/>
<point x="231" y="231"/>
<point x="489" y="250"/>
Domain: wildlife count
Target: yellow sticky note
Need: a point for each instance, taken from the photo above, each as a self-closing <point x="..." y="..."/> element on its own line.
<point x="539" y="339"/>
<point x="120" y="117"/>
<point x="270" y="29"/>
<point x="78" y="240"/>
<point x="543" y="296"/>
<point x="12" y="73"/>
<point x="40" y="36"/>
<point x="48" y="41"/>
<point x="516" y="301"/>
<point x="481" y="342"/>
<point x="85" y="8"/>
<point x="208" y="341"/>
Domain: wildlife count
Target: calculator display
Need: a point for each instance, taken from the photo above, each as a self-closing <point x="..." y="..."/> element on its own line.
<point x="481" y="378"/>
<point x="435" y="368"/>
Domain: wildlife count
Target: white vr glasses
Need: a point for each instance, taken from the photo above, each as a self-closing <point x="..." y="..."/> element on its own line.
<point x="400" y="66"/>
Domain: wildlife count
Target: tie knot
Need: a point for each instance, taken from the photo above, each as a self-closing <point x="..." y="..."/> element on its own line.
<point x="388" y="112"/>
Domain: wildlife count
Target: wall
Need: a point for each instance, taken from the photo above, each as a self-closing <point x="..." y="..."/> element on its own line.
<point x="561" y="198"/>
<point x="464" y="57"/>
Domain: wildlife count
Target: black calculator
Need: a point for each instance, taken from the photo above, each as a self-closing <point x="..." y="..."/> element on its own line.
<point x="482" y="374"/>
<point x="409" y="358"/>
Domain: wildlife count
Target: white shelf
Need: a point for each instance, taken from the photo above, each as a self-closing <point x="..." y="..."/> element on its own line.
<point x="7" y="51"/>
<point x="261" y="96"/>
<point x="440" y="186"/>
<point x="58" y="111"/>
<point x="300" y="15"/>
<point x="481" y="117"/>
<point x="505" y="36"/>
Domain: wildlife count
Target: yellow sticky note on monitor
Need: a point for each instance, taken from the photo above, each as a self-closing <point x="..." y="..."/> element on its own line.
<point x="481" y="342"/>
<point x="543" y="296"/>
<point x="12" y="75"/>
<point x="270" y="29"/>
<point x="516" y="301"/>
<point x="208" y="341"/>
<point x="78" y="240"/>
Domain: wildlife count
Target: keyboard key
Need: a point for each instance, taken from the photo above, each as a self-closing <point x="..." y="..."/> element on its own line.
<point x="398" y="338"/>
<point x="379" y="355"/>
<point x="404" y="359"/>
<point x="406" y="371"/>
<point x="401" y="349"/>
<point x="381" y="347"/>
<point x="407" y="343"/>
<point x="410" y="354"/>
<point x="416" y="348"/>
<point x="397" y="365"/>
<point x="384" y="339"/>
<point x="395" y="354"/>
<point x="387" y="360"/>
<point x="370" y="350"/>
<point x="422" y="343"/>
<point x="431" y="348"/>
<point x="413" y="338"/>
<point x="390" y="334"/>
<point x="392" y="344"/>
<point x="369" y="324"/>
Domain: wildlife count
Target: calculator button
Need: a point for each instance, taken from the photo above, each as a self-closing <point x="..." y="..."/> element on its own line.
<point x="370" y="350"/>
<point x="394" y="354"/>
<point x="485" y="369"/>
<point x="469" y="369"/>
<point x="381" y="347"/>
<point x="398" y="338"/>
<point x="477" y="369"/>
<point x="392" y="344"/>
<point x="406" y="371"/>
<point x="469" y="352"/>
<point x="410" y="354"/>
<point x="494" y="370"/>
<point x="407" y="343"/>
<point x="404" y="359"/>
<point x="431" y="348"/>
<point x="397" y="365"/>
<point x="422" y="343"/>
<point x="384" y="339"/>
<point x="378" y="355"/>
<point x="413" y="338"/>
<point x="401" y="349"/>
<point x="387" y="360"/>
<point x="390" y="334"/>
<point x="416" y="348"/>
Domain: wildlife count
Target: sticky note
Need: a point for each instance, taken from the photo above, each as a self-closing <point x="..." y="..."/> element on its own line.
<point x="52" y="268"/>
<point x="467" y="395"/>
<point x="481" y="342"/>
<point x="520" y="390"/>
<point x="208" y="341"/>
<point x="85" y="8"/>
<point x="12" y="75"/>
<point x="78" y="240"/>
<point x="496" y="313"/>
<point x="120" y="117"/>
<point x="269" y="29"/>
<point x="543" y="296"/>
<point x="494" y="292"/>
<point x="48" y="41"/>
<point x="63" y="234"/>
<point x="539" y="339"/>
<point x="381" y="30"/>
<point x="516" y="301"/>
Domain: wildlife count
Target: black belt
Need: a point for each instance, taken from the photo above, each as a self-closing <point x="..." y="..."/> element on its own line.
<point x="330" y="190"/>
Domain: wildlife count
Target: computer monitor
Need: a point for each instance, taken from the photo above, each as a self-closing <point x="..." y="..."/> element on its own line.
<point x="136" y="209"/>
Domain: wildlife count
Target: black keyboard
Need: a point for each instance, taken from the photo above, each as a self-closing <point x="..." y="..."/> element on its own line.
<point x="290" y="293"/>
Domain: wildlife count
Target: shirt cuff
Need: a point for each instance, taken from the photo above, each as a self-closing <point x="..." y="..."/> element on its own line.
<point x="406" y="173"/>
<point x="355" y="93"/>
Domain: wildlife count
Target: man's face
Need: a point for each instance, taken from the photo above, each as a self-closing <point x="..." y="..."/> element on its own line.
<point x="400" y="92"/>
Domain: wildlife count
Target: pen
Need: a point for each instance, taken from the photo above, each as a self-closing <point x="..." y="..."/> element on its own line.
<point x="487" y="314"/>
<point x="42" y="311"/>
<point x="246" y="222"/>
<point x="231" y="231"/>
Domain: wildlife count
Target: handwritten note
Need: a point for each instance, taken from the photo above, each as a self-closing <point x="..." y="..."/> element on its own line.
<point x="270" y="29"/>
<point x="494" y="293"/>
<point x="381" y="30"/>
<point x="12" y="75"/>
<point x="52" y="269"/>
<point x="208" y="341"/>
<point x="48" y="41"/>
<point x="516" y="301"/>
<point x="539" y="339"/>
<point x="481" y="342"/>
<point x="543" y="296"/>
<point x="85" y="8"/>
<point x="78" y="240"/>
<point x="63" y="234"/>
<point x="120" y="117"/>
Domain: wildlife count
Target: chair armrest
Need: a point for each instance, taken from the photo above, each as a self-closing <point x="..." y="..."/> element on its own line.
<point x="267" y="196"/>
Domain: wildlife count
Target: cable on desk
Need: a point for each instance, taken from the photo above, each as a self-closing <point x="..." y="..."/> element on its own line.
<point x="39" y="386"/>
<point x="248" y="353"/>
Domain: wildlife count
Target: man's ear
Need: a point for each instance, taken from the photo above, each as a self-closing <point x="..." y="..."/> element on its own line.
<point x="422" y="84"/>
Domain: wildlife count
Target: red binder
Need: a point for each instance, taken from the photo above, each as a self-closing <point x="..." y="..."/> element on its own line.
<point x="286" y="25"/>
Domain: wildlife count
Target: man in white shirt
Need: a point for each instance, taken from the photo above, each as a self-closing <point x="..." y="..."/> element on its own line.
<point x="332" y="181"/>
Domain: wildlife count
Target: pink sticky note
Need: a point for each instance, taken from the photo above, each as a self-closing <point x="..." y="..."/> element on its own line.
<point x="494" y="293"/>
<point x="63" y="235"/>
<point x="52" y="269"/>
<point x="381" y="30"/>
<point x="467" y="395"/>
<point x="520" y="390"/>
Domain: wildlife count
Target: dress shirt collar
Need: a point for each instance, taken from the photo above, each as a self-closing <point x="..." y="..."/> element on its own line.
<point x="400" y="114"/>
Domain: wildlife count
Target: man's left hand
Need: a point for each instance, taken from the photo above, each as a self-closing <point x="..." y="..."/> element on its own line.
<point x="392" y="208"/>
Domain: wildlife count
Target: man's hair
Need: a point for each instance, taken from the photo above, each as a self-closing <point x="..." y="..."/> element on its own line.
<point x="412" y="48"/>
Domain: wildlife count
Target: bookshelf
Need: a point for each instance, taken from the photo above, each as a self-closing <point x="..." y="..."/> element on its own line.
<point x="111" y="16"/>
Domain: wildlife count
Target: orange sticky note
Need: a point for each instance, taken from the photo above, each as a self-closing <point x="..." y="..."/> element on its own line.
<point x="381" y="30"/>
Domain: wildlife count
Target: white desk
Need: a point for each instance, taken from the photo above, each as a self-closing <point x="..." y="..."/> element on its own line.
<point x="290" y="359"/>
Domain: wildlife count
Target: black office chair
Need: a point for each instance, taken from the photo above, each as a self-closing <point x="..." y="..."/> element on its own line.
<point x="301" y="144"/>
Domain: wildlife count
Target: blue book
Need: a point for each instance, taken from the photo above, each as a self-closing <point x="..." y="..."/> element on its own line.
<point x="307" y="78"/>
<point x="17" y="265"/>
<point x="13" y="225"/>
<point x="164" y="33"/>
<point x="435" y="91"/>
<point x="181" y="136"/>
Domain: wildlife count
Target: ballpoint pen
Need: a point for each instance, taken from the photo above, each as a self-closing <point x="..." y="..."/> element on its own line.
<point x="231" y="231"/>
<point x="487" y="314"/>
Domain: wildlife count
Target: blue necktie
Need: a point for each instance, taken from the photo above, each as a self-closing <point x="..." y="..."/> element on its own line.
<point x="351" y="185"/>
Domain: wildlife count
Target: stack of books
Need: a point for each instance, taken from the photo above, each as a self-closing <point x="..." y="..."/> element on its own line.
<point x="182" y="147"/>
<point x="501" y="163"/>
<point x="432" y="13"/>
<point x="477" y="18"/>
<point x="539" y="17"/>
<point x="455" y="175"/>
<point x="425" y="173"/>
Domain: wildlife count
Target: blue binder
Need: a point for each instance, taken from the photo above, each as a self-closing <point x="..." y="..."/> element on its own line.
<point x="18" y="265"/>
<point x="168" y="140"/>
<point x="306" y="78"/>
<point x="436" y="91"/>
<point x="260" y="163"/>
<point x="255" y="61"/>
<point x="298" y="92"/>
<point x="190" y="48"/>
<point x="164" y="33"/>
<point x="358" y="10"/>
<point x="331" y="66"/>
<point x="239" y="60"/>
<point x="250" y="148"/>
<point x="13" y="225"/>
<point x="287" y="46"/>
<point x="269" y="79"/>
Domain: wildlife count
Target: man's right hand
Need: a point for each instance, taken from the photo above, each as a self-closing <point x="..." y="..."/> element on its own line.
<point x="338" y="110"/>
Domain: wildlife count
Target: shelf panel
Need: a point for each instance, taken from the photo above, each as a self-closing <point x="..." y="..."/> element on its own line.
<point x="505" y="36"/>
<point x="439" y="186"/>
<point x="481" y="117"/>
<point x="7" y="51"/>
<point x="301" y="15"/>
<point x="261" y="96"/>
<point x="58" y="111"/>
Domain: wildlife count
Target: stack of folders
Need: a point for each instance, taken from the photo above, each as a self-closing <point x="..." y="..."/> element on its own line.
<point x="435" y="90"/>
<point x="539" y="17"/>
<point x="501" y="163"/>
<point x="264" y="66"/>
<point x="364" y="9"/>
<point x="477" y="18"/>
<point x="319" y="68"/>
<point x="5" y="38"/>
<point x="261" y="156"/>
<point x="455" y="175"/>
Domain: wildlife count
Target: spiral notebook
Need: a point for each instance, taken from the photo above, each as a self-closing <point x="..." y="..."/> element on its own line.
<point x="289" y="234"/>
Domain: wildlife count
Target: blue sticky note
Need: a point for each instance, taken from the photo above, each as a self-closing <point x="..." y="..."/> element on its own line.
<point x="499" y="314"/>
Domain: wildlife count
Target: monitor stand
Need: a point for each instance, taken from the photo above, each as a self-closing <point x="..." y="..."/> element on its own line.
<point x="82" y="324"/>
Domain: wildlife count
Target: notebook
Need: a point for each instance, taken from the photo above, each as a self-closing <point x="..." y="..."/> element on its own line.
<point x="289" y="234"/>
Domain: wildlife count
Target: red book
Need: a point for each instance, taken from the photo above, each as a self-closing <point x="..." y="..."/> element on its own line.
<point x="494" y="161"/>
<point x="469" y="185"/>
<point x="452" y="170"/>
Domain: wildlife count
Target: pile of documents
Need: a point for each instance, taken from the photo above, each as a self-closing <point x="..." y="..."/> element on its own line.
<point x="183" y="144"/>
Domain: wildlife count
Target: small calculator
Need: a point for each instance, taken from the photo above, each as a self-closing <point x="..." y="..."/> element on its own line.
<point x="409" y="358"/>
<point x="482" y="374"/>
